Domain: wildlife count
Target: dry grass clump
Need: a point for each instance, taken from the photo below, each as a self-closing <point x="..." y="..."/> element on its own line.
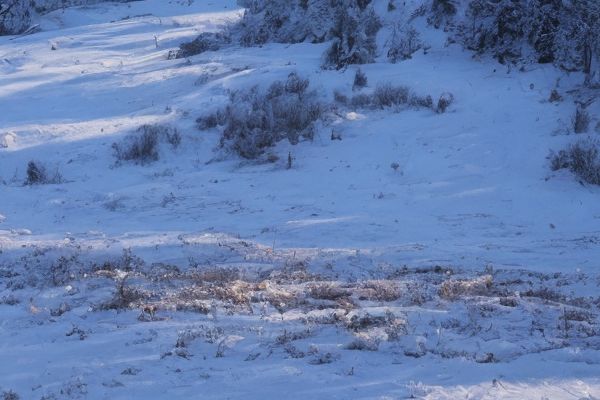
<point x="327" y="291"/>
<point x="581" y="158"/>
<point x="189" y="298"/>
<point x="236" y="292"/>
<point x="578" y="316"/>
<point x="126" y="297"/>
<point x="380" y="290"/>
<point x="280" y="297"/>
<point x="454" y="289"/>
<point x="142" y="146"/>
<point x="293" y="273"/>
<point x="386" y="95"/>
<point x="197" y="306"/>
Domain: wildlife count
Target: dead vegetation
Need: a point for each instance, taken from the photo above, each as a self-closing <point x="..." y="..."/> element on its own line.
<point x="142" y="146"/>
<point x="392" y="307"/>
<point x="380" y="290"/>
<point x="455" y="289"/>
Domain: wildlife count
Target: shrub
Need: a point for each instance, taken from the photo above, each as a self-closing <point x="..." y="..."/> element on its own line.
<point x="442" y="11"/>
<point x="581" y="120"/>
<point x="360" y="80"/>
<point x="142" y="146"/>
<point x="294" y="84"/>
<point x="212" y="120"/>
<point x="387" y="95"/>
<point x="124" y="296"/>
<point x="354" y="35"/>
<point x="454" y="289"/>
<point x="15" y="16"/>
<point x="581" y="158"/>
<point x="352" y="24"/>
<point x="421" y="101"/>
<point x="381" y="290"/>
<point x="445" y="100"/>
<point x="10" y="395"/>
<point x="327" y="291"/>
<point x="170" y="135"/>
<point x="37" y="174"/>
<point x="555" y="96"/>
<point x="405" y="41"/>
<point x="340" y="97"/>
<point x="255" y="119"/>
<point x="361" y="100"/>
<point x="207" y="41"/>
<point x="544" y="31"/>
<point x="362" y="344"/>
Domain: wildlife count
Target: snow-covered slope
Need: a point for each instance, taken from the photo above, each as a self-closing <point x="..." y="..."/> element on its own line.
<point x="471" y="190"/>
<point x="473" y="185"/>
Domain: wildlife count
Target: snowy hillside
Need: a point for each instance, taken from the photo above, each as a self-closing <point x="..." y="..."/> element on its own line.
<point x="401" y="250"/>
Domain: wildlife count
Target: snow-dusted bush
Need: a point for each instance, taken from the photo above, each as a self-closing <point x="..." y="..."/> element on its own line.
<point x="405" y="41"/>
<point x="351" y="24"/>
<point x="454" y="289"/>
<point x="15" y="16"/>
<point x="581" y="120"/>
<point x="361" y="100"/>
<point x="37" y="174"/>
<point x="546" y="31"/>
<point x="10" y="395"/>
<point x="207" y="41"/>
<point x="211" y="120"/>
<point x="286" y="21"/>
<point x="386" y="95"/>
<point x="257" y="119"/>
<point x="354" y="34"/>
<point x="363" y="344"/>
<point x="445" y="100"/>
<point x="360" y="80"/>
<point x="442" y="11"/>
<point x="581" y="158"/>
<point x="142" y="146"/>
<point x="554" y="96"/>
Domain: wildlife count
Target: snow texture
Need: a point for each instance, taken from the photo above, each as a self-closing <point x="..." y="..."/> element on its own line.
<point x="417" y="244"/>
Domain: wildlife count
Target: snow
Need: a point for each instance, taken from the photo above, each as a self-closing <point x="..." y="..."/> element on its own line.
<point x="473" y="190"/>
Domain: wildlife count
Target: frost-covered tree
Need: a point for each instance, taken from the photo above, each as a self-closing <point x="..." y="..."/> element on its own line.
<point x="351" y="25"/>
<point x="581" y="34"/>
<point x="563" y="32"/>
<point x="15" y="16"/>
<point x="405" y="41"/>
<point x="442" y="11"/>
<point x="353" y="33"/>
